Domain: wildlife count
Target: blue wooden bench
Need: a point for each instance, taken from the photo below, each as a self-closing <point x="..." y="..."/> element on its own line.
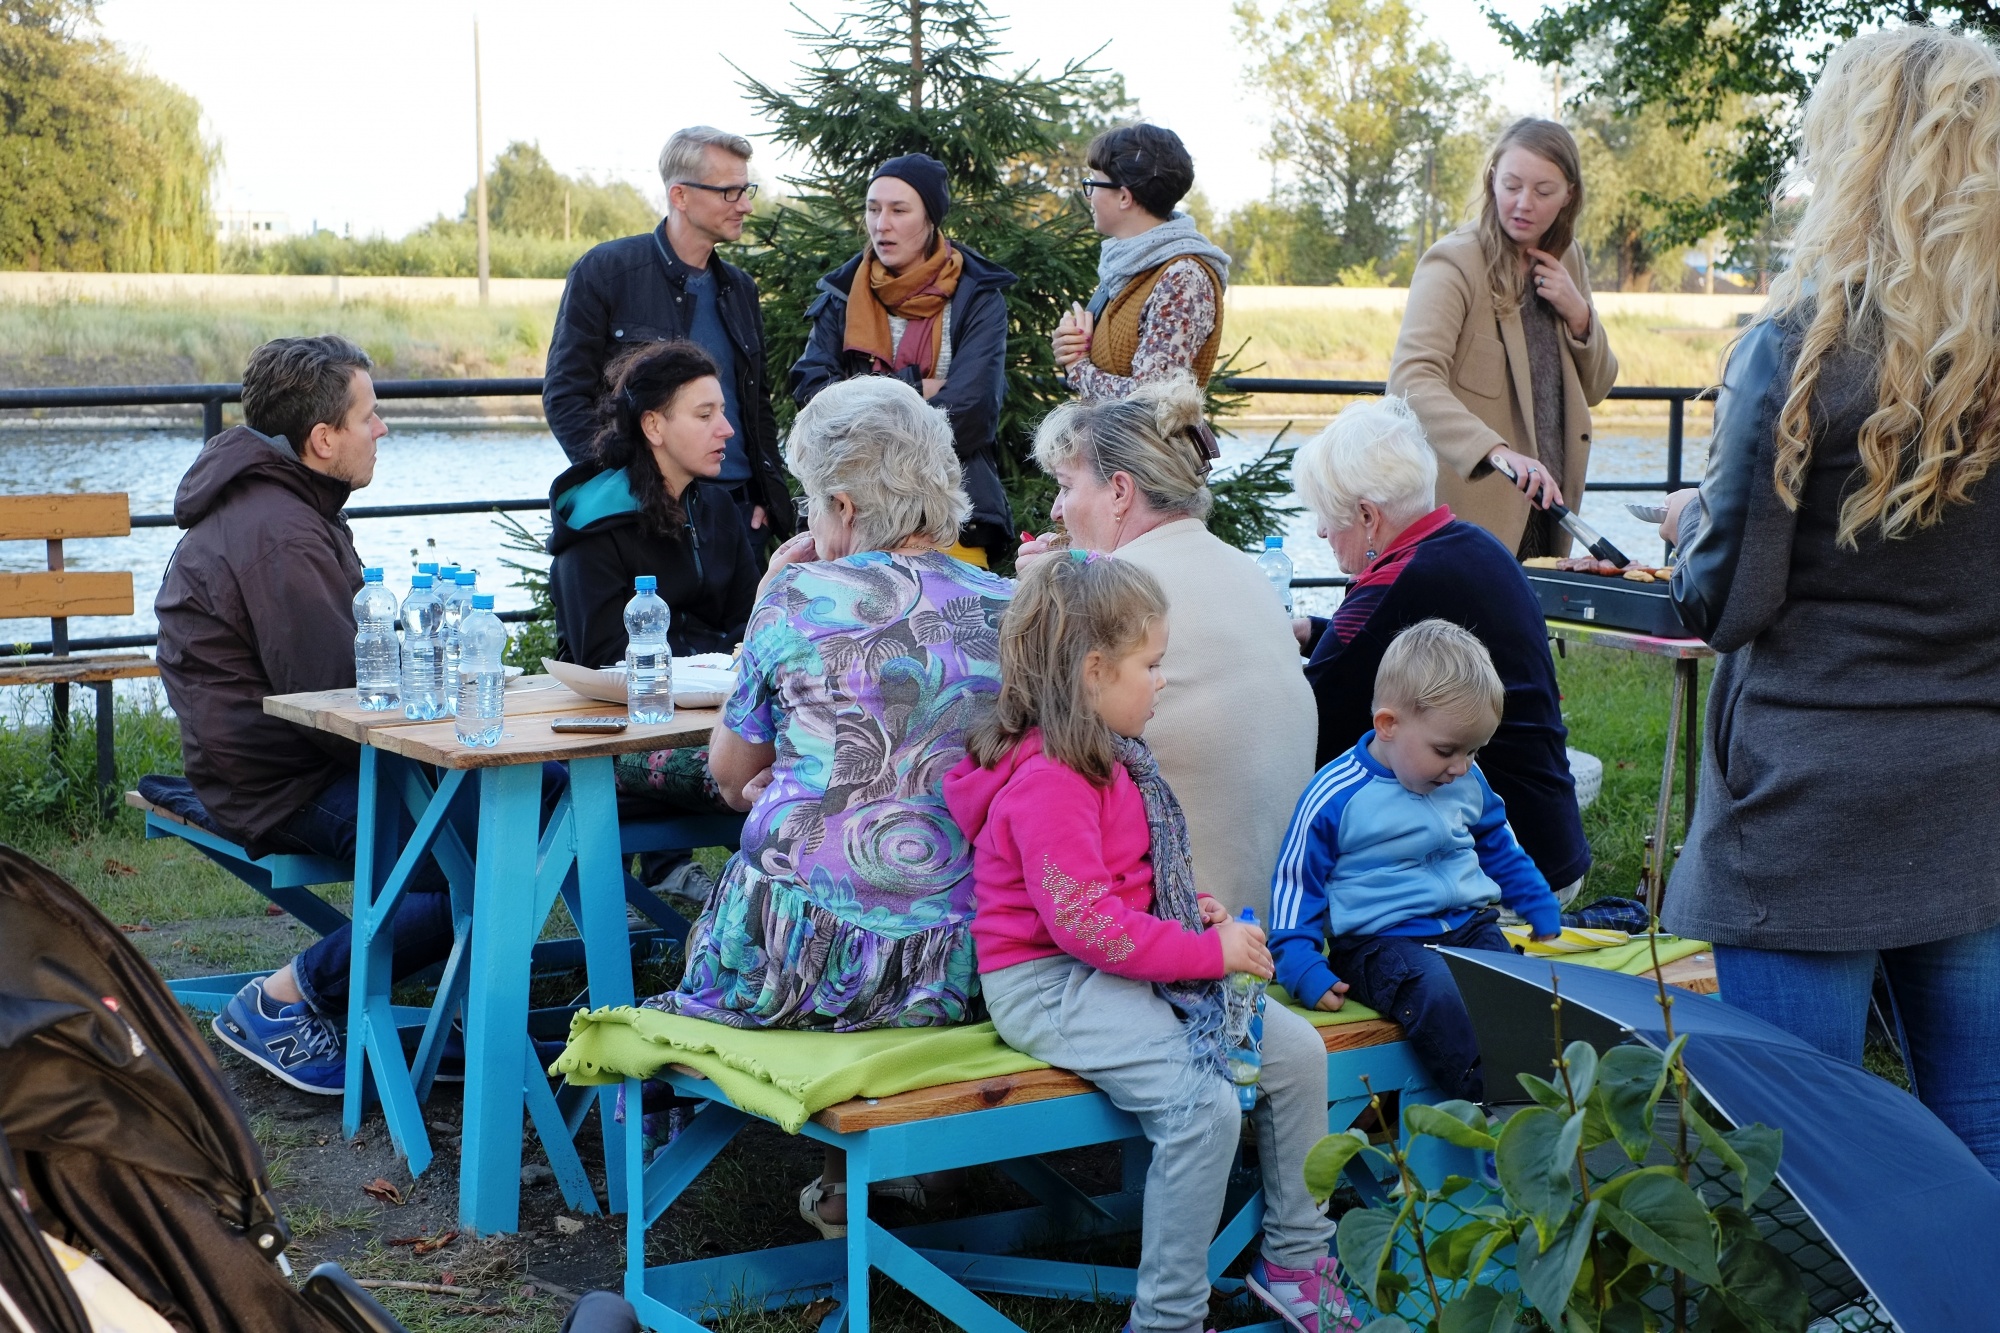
<point x="1007" y="1122"/>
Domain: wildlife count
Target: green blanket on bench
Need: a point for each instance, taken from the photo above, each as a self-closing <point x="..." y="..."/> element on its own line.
<point x="788" y="1077"/>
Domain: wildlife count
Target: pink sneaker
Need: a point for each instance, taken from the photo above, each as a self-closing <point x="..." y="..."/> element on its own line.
<point x="1301" y="1296"/>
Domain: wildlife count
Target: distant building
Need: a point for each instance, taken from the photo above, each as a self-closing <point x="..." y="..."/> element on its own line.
<point x="250" y="225"/>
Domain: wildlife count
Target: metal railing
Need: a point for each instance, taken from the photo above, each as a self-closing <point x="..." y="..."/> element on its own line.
<point x="210" y="398"/>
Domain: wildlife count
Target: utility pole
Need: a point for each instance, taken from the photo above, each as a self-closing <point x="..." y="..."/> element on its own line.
<point x="479" y="149"/>
<point x="916" y="57"/>
<point x="1556" y="102"/>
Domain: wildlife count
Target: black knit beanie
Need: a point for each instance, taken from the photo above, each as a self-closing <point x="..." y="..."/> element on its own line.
<point x="924" y="174"/>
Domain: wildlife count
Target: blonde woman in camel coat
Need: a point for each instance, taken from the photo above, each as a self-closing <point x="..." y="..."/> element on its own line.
<point x="1501" y="353"/>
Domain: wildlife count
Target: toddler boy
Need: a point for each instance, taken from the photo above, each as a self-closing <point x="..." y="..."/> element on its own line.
<point x="1398" y="845"/>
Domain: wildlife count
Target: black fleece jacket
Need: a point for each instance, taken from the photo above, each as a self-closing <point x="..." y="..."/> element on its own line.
<point x="634" y="290"/>
<point x="258" y="599"/>
<point x="707" y="572"/>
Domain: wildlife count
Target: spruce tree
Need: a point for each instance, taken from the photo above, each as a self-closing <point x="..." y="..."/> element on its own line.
<point x="909" y="76"/>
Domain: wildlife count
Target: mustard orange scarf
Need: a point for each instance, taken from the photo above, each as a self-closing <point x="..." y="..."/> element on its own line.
<point x="918" y="294"/>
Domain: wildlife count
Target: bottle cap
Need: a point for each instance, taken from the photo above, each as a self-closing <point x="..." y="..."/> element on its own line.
<point x="371" y="575"/>
<point x="1248" y="916"/>
<point x="447" y="571"/>
<point x="644" y="583"/>
<point x="466" y="578"/>
<point x="420" y="580"/>
<point x="482" y="601"/>
<point x="1274" y="543"/>
<point x="428" y="567"/>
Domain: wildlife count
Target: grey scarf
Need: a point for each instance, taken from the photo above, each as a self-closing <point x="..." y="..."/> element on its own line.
<point x="1123" y="258"/>
<point x="1215" y="1025"/>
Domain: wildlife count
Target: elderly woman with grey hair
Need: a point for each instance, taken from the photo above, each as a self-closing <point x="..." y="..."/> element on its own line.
<point x="1370" y="478"/>
<point x="1233" y="728"/>
<point x="868" y="654"/>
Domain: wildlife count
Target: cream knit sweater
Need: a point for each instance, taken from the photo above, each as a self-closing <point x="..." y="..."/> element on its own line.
<point x="1236" y="724"/>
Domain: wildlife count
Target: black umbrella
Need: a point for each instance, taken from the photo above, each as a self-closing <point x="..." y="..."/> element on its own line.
<point x="1897" y="1196"/>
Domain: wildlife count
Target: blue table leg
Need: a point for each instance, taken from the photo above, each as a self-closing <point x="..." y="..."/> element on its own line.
<point x="504" y="926"/>
<point x="859" y="1177"/>
<point x="600" y="873"/>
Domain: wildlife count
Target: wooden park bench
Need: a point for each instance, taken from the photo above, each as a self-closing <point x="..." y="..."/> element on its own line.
<point x="60" y="593"/>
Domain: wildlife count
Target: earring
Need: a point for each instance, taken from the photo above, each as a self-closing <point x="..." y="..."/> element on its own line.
<point x="1371" y="553"/>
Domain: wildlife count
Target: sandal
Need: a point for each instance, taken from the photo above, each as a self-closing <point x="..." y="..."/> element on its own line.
<point x="903" y="1189"/>
<point x="809" y="1198"/>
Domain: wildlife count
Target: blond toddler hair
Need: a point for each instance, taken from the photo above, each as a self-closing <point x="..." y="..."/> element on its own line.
<point x="1435" y="665"/>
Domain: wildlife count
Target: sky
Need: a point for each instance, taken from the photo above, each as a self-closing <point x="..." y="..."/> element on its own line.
<point x="359" y="117"/>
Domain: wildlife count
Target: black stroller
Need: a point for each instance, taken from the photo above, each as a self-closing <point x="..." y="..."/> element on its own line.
<point x="119" y="1136"/>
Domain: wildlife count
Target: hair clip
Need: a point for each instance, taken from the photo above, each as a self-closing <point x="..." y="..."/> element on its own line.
<point x="1080" y="555"/>
<point x="1205" y="447"/>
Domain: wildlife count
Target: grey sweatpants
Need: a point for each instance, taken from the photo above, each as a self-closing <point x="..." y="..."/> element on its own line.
<point x="1123" y="1037"/>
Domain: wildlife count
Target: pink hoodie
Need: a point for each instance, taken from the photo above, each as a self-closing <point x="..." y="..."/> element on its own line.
<point x="1062" y="865"/>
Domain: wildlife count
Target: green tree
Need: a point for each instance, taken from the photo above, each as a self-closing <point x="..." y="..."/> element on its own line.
<point x="1708" y="63"/>
<point x="101" y="165"/>
<point x="1641" y="174"/>
<point x="1362" y="107"/>
<point x="528" y="197"/>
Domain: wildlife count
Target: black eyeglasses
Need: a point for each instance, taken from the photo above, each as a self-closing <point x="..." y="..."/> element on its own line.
<point x="1089" y="185"/>
<point x="730" y="193"/>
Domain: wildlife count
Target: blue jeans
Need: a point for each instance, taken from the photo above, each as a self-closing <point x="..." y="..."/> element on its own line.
<point x="1947" y="1003"/>
<point x="1403" y="978"/>
<point x="420" y="932"/>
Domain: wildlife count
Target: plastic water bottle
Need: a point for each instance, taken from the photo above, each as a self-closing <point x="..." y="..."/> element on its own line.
<point x="649" y="662"/>
<point x="1245" y="990"/>
<point x="423" y="653"/>
<point x="482" y="685"/>
<point x="378" y="680"/>
<point x="455" y="591"/>
<point x="1277" y="567"/>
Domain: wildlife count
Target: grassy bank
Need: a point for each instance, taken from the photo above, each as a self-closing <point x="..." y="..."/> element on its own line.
<point x="82" y="342"/>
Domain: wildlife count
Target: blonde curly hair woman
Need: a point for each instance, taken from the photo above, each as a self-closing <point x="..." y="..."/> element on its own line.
<point x="1835" y="555"/>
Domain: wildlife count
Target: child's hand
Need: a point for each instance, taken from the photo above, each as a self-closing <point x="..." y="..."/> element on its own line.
<point x="1243" y="949"/>
<point x="1336" y="995"/>
<point x="1213" y="913"/>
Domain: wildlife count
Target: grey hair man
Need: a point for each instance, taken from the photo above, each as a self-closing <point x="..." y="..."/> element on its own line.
<point x="671" y="284"/>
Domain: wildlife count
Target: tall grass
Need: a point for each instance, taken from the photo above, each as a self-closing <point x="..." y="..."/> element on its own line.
<point x="88" y="342"/>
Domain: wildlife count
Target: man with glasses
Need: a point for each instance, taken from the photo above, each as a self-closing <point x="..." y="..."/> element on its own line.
<point x="670" y="284"/>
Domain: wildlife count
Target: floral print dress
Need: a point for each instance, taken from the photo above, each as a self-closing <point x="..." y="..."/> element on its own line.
<point x="850" y="903"/>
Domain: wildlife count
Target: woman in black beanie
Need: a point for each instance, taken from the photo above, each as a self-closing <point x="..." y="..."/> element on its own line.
<point x="932" y="313"/>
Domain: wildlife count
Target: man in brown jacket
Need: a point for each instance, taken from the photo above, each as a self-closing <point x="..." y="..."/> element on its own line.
<point x="258" y="600"/>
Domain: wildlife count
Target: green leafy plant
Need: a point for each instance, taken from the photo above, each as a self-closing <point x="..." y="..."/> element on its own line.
<point x="1558" y="1245"/>
<point x="530" y="640"/>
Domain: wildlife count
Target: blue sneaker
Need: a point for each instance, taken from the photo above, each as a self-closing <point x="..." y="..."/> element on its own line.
<point x="289" y="1041"/>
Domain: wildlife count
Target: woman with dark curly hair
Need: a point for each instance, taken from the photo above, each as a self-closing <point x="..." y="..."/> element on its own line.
<point x="644" y="505"/>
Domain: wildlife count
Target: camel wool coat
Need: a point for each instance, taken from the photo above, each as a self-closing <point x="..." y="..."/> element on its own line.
<point x="1465" y="372"/>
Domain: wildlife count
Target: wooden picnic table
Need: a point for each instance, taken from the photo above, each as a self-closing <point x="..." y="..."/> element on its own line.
<point x="1683" y="723"/>
<point x="500" y="854"/>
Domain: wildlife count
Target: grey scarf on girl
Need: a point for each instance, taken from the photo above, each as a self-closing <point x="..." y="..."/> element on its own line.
<point x="1216" y="1022"/>
<point x="1123" y="258"/>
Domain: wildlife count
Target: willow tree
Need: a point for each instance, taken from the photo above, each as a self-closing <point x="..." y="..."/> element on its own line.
<point x="102" y="166"/>
<point x="926" y="76"/>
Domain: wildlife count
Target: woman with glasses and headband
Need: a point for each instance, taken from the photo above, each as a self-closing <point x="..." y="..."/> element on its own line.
<point x="1157" y="310"/>
<point x="931" y="313"/>
<point x="869" y="653"/>
<point x="647" y="503"/>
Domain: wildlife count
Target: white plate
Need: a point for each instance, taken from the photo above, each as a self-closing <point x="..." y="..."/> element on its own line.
<point x="696" y="683"/>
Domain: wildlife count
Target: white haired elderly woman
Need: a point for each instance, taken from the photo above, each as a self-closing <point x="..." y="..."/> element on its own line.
<point x="868" y="654"/>
<point x="1233" y="729"/>
<point x="1370" y="478"/>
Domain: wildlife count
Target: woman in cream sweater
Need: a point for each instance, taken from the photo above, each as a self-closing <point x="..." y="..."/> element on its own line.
<point x="1501" y="353"/>
<point x="1235" y="727"/>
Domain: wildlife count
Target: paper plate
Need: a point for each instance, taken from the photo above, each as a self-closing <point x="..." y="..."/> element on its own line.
<point x="696" y="683"/>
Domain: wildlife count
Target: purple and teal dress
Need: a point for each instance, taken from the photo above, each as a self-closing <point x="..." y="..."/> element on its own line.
<point x="850" y="903"/>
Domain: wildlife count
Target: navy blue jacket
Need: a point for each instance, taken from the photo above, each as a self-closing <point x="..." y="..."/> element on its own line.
<point x="1462" y="574"/>
<point x="707" y="572"/>
<point x="634" y="290"/>
<point x="974" y="388"/>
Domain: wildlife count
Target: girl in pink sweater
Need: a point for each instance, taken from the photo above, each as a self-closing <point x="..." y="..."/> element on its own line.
<point x="1098" y="954"/>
